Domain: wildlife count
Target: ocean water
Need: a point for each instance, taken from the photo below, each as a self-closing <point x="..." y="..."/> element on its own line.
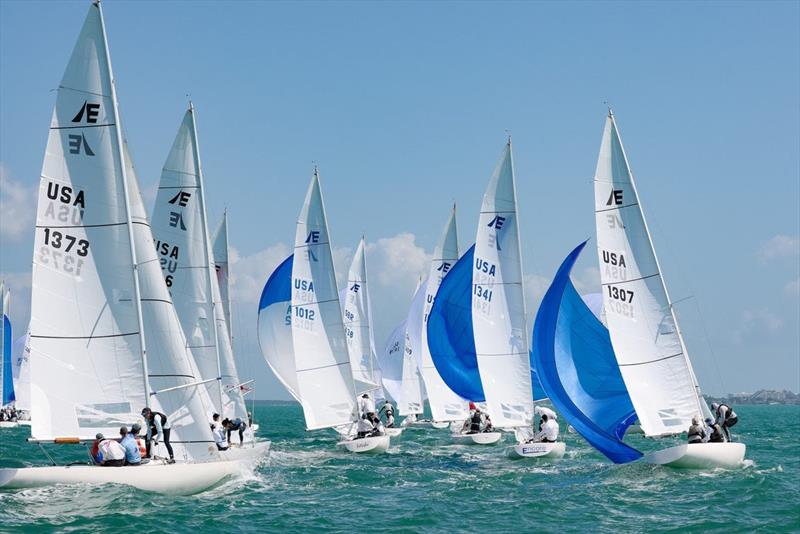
<point x="427" y="484"/>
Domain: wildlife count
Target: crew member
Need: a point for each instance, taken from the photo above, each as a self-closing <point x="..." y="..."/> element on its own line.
<point x="726" y="417"/>
<point x="365" y="427"/>
<point x="388" y="410"/>
<point x="158" y="429"/>
<point x="549" y="432"/>
<point x="237" y="425"/>
<point x="131" y="448"/>
<point x="697" y="433"/>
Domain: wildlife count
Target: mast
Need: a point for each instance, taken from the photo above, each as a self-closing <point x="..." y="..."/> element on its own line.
<point x="128" y="219"/>
<point x="658" y="266"/>
<point x="208" y="255"/>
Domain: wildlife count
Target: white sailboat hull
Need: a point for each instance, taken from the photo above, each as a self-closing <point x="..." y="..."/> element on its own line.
<point x="553" y="451"/>
<point x="373" y="444"/>
<point x="394" y="431"/>
<point x="699" y="456"/>
<point x="440" y="424"/>
<point x="248" y="452"/>
<point x="174" y="479"/>
<point x="481" y="438"/>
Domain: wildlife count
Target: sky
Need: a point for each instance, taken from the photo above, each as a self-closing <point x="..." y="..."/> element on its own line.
<point x="406" y="107"/>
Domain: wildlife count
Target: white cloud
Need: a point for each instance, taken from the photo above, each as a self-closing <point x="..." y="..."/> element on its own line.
<point x="792" y="288"/>
<point x="761" y="318"/>
<point x="19" y="284"/>
<point x="17" y="206"/>
<point x="780" y="246"/>
<point x="397" y="260"/>
<point x="249" y="273"/>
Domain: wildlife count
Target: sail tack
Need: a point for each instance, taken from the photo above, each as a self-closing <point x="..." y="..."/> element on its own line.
<point x="639" y="315"/>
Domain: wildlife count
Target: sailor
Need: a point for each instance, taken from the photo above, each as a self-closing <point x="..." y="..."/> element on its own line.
<point x="717" y="435"/>
<point x="135" y="429"/>
<point x="237" y="425"/>
<point x="697" y="433"/>
<point x="130" y="447"/>
<point x="388" y="410"/>
<point x="367" y="406"/>
<point x="487" y="423"/>
<point x="112" y="453"/>
<point x="365" y="427"/>
<point x="215" y="419"/>
<point x="549" y="432"/>
<point x="219" y="437"/>
<point x="726" y="417"/>
<point x="158" y="428"/>
<point x="475" y="420"/>
<point x="94" y="452"/>
<point x="250" y="419"/>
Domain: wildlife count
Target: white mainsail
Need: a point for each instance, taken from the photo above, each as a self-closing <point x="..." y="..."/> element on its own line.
<point x="322" y="365"/>
<point x="498" y="303"/>
<point x="357" y="323"/>
<point x="182" y="241"/>
<point x="222" y="268"/>
<point x="97" y="290"/>
<point x="642" y="324"/>
<point x="445" y="404"/>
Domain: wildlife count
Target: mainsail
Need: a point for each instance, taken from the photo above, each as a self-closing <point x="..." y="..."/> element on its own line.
<point x="643" y="326"/>
<point x="324" y="376"/>
<point x="357" y="323"/>
<point x="97" y="289"/>
<point x="21" y="370"/>
<point x="222" y="268"/>
<point x="445" y="404"/>
<point x="182" y="241"/>
<point x="498" y="303"/>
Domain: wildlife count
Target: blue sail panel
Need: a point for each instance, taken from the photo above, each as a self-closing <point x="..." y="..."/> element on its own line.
<point x="536" y="385"/>
<point x="575" y="360"/>
<point x="450" y="337"/>
<point x="8" y="377"/>
<point x="279" y="285"/>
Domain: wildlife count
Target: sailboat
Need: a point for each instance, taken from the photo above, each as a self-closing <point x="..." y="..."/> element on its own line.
<point x="642" y="334"/>
<point x="182" y="241"/>
<point x="302" y="334"/>
<point x="222" y="268"/>
<point x="105" y="338"/>
<point x="476" y="329"/>
<point x="7" y="395"/>
<point x="446" y="406"/>
<point x="357" y="319"/>
<point x="398" y="361"/>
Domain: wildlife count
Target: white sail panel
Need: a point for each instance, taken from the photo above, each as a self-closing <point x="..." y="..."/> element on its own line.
<point x="413" y="394"/>
<point x="357" y="323"/>
<point x="643" y="330"/>
<point x="322" y="364"/>
<point x="22" y="371"/>
<point x="85" y="353"/>
<point x="445" y="404"/>
<point x="222" y="268"/>
<point x="181" y="241"/>
<point x="498" y="303"/>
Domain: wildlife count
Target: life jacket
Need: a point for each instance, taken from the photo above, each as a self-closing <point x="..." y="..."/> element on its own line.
<point x="696" y="434"/>
<point x="163" y="417"/>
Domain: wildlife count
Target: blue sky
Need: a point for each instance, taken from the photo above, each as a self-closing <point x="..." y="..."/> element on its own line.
<point x="406" y="106"/>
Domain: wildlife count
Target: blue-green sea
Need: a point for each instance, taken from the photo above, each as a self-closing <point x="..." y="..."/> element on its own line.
<point x="427" y="484"/>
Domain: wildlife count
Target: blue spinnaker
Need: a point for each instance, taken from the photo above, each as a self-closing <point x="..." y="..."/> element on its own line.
<point x="575" y="360"/>
<point x="450" y="337"/>
<point x="8" y="377"/>
<point x="279" y="285"/>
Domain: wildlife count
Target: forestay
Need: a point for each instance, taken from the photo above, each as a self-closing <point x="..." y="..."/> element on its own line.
<point x="275" y="326"/>
<point x="640" y="319"/>
<point x="182" y="241"/>
<point x="445" y="404"/>
<point x="86" y="336"/>
<point x="357" y="330"/>
<point x="324" y="377"/>
<point x="498" y="303"/>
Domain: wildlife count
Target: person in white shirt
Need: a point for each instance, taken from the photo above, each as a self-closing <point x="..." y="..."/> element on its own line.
<point x="220" y="437"/>
<point x="388" y="410"/>
<point x="113" y="453"/>
<point x="365" y="427"/>
<point x="726" y="418"/>
<point x="549" y="432"/>
<point x="367" y="407"/>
